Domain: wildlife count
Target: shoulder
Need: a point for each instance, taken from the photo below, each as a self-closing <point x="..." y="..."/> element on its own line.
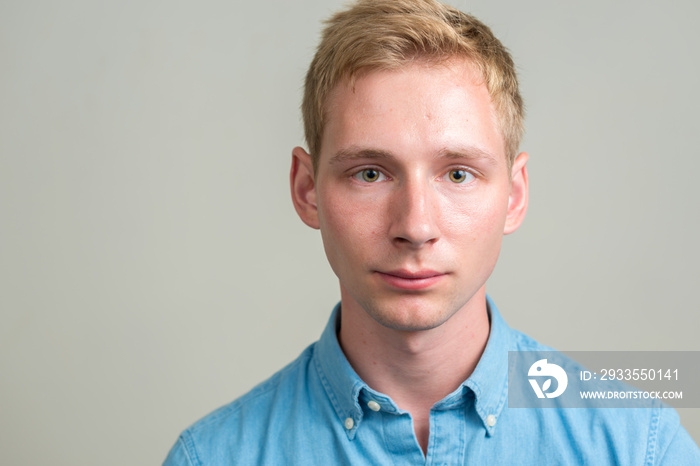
<point x="647" y="435"/>
<point x="230" y="431"/>
<point x="523" y="342"/>
<point x="261" y="397"/>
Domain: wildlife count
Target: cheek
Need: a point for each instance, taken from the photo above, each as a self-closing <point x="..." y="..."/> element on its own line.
<point x="348" y="225"/>
<point x="476" y="220"/>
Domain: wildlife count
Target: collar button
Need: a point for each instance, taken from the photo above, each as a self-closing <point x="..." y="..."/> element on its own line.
<point x="349" y="423"/>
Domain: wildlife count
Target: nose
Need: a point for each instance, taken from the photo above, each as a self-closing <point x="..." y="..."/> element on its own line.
<point x="414" y="214"/>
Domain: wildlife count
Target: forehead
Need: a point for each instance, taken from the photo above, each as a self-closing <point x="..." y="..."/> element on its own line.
<point x="421" y="107"/>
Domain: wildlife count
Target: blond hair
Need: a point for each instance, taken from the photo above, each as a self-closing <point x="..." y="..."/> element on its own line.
<point x="386" y="34"/>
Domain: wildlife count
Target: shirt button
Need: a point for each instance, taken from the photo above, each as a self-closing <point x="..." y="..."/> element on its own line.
<point x="491" y="420"/>
<point x="373" y="405"/>
<point x="349" y="423"/>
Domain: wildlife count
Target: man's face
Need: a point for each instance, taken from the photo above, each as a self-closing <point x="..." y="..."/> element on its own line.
<point x="412" y="192"/>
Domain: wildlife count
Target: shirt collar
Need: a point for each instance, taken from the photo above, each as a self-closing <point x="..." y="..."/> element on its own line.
<point x="489" y="381"/>
<point x="345" y="389"/>
<point x="341" y="383"/>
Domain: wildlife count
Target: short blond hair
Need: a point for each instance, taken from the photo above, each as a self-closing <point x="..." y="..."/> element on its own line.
<point x="387" y="34"/>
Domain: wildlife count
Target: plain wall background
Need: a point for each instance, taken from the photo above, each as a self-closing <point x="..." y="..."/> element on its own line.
<point x="152" y="267"/>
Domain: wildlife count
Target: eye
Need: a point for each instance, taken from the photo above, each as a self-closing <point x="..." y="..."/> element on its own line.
<point x="460" y="176"/>
<point x="369" y="175"/>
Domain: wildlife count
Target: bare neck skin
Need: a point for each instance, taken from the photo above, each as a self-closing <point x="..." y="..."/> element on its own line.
<point x="416" y="369"/>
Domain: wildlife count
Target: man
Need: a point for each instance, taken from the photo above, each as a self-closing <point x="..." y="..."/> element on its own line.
<point x="413" y="119"/>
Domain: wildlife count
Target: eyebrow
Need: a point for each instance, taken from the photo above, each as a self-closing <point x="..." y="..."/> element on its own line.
<point x="358" y="153"/>
<point x="470" y="153"/>
<point x="355" y="153"/>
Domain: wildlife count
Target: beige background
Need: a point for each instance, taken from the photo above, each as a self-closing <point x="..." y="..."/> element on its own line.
<point x="152" y="267"/>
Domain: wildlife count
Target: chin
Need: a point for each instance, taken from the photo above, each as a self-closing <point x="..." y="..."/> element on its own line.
<point x="408" y="318"/>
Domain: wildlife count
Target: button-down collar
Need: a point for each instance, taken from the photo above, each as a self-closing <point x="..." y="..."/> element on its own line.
<point x="347" y="392"/>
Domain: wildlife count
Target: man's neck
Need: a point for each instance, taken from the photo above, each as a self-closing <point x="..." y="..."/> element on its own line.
<point x="416" y="369"/>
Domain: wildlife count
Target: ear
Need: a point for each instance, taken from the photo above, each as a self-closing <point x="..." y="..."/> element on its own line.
<point x="517" y="200"/>
<point x="301" y="180"/>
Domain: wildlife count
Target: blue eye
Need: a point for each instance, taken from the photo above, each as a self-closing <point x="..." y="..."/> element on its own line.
<point x="369" y="175"/>
<point x="460" y="176"/>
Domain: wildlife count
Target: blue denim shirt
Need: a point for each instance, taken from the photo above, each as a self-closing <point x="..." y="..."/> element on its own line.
<point x="317" y="411"/>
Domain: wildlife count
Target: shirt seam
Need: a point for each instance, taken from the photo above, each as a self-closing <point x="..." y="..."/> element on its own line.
<point x="653" y="437"/>
<point x="190" y="449"/>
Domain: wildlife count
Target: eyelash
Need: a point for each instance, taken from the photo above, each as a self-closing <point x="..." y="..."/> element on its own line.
<point x="467" y="175"/>
<point x="359" y="175"/>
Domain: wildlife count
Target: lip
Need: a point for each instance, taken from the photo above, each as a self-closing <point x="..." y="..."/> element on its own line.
<point x="411" y="280"/>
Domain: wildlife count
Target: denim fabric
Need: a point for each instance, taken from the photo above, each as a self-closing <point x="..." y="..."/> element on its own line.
<point x="317" y="411"/>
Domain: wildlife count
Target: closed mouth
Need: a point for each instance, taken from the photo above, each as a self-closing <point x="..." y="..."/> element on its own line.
<point x="411" y="280"/>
